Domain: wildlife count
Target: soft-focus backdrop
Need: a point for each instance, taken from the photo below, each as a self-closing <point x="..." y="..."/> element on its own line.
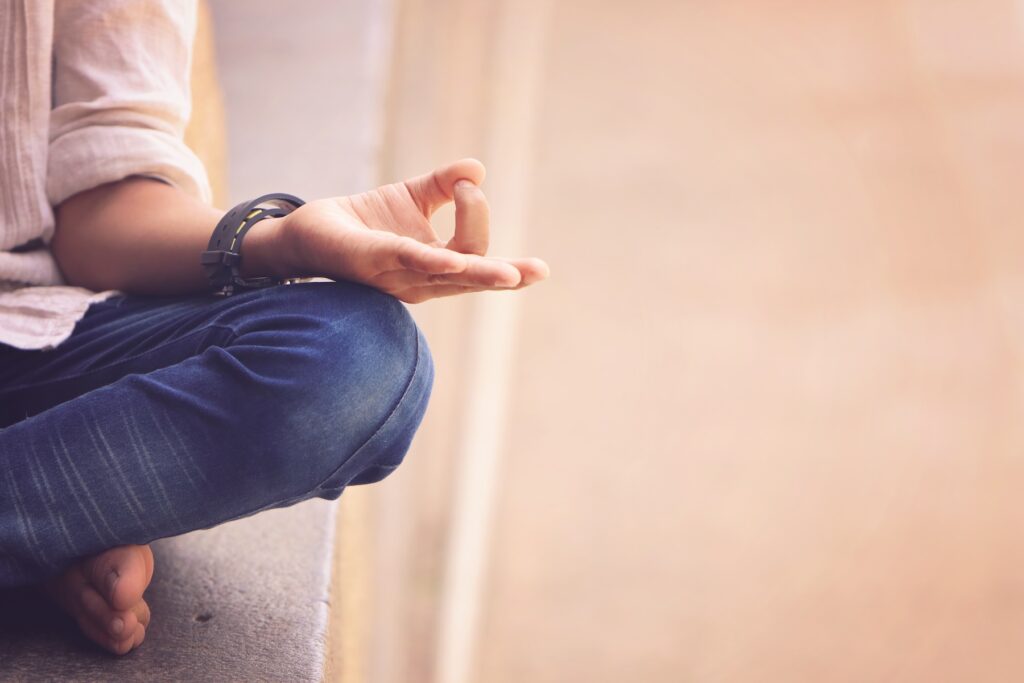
<point x="766" y="420"/>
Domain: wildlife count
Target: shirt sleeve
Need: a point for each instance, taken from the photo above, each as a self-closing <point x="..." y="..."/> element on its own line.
<point x="121" y="95"/>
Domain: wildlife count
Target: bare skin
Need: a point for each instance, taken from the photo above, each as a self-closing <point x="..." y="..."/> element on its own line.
<point x="143" y="236"/>
<point x="103" y="594"/>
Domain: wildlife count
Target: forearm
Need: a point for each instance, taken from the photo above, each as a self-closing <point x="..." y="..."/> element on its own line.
<point x="144" y="236"/>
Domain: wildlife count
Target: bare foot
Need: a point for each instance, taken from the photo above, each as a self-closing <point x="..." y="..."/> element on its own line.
<point x="103" y="594"/>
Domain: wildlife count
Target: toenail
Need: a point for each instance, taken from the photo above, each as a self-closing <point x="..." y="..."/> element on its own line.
<point x="112" y="578"/>
<point x="117" y="626"/>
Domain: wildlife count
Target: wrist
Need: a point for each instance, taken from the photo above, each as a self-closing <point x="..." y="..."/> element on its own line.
<point x="247" y="249"/>
<point x="264" y="253"/>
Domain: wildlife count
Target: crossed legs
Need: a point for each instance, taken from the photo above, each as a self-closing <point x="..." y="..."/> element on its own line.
<point x="161" y="416"/>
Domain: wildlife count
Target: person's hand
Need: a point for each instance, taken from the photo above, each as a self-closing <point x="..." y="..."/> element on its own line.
<point x="384" y="239"/>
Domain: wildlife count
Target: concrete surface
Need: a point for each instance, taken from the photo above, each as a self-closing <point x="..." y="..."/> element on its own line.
<point x="304" y="102"/>
<point x="246" y="601"/>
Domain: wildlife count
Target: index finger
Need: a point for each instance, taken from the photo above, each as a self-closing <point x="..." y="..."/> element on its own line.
<point x="435" y="189"/>
<point x="472" y="220"/>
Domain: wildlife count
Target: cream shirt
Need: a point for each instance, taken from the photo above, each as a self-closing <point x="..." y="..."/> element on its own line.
<point x="92" y="91"/>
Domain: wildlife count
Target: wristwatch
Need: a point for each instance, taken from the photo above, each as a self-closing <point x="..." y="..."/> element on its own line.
<point x="223" y="256"/>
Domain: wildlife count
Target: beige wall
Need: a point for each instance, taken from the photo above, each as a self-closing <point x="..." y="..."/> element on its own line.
<point x="764" y="423"/>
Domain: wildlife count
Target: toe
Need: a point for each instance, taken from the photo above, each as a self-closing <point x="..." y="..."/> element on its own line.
<point x="140" y="635"/>
<point x="125" y="645"/>
<point x="120" y="575"/>
<point x="142" y="614"/>
<point x="116" y="624"/>
<point x="118" y="645"/>
<point x="128" y="640"/>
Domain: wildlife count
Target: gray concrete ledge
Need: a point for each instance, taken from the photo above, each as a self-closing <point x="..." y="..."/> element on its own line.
<point x="246" y="601"/>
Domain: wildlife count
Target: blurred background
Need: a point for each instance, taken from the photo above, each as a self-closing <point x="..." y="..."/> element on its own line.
<point x="765" y="422"/>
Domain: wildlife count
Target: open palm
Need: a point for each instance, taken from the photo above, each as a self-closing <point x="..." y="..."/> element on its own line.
<point x="384" y="238"/>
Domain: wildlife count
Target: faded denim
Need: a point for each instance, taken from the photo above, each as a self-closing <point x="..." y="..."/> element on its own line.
<point x="161" y="416"/>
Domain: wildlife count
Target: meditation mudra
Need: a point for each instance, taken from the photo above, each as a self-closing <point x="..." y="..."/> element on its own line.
<point x="157" y="375"/>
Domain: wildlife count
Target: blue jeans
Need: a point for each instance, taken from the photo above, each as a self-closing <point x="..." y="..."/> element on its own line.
<point x="161" y="416"/>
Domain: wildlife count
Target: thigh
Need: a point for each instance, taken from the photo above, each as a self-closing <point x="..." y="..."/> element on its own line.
<point x="120" y="336"/>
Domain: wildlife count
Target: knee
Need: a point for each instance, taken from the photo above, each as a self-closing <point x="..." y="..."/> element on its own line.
<point x="355" y="382"/>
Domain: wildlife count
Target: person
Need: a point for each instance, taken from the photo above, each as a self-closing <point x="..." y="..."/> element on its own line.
<point x="134" y="403"/>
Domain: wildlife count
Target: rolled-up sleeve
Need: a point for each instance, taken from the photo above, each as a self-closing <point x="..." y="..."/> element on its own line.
<point x="121" y="95"/>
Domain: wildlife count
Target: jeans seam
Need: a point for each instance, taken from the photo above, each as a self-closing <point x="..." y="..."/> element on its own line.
<point x="391" y="414"/>
<point x="80" y="375"/>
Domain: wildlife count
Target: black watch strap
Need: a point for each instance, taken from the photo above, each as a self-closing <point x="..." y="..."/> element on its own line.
<point x="223" y="256"/>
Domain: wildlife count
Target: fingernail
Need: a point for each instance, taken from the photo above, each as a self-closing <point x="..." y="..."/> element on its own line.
<point x="117" y="626"/>
<point x="462" y="182"/>
<point x="112" y="578"/>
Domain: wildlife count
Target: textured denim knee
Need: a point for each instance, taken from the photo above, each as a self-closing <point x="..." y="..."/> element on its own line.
<point x="341" y="377"/>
